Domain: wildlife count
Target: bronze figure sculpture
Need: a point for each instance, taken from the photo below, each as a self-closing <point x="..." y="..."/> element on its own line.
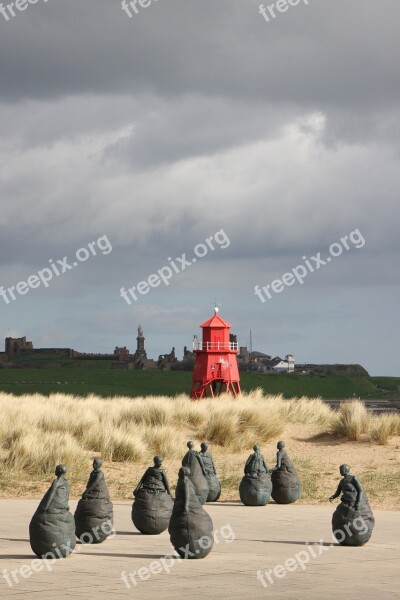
<point x="256" y="486"/>
<point x="152" y="507"/>
<point x="190" y="527"/>
<point x="52" y="528"/>
<point x="193" y="461"/>
<point x="353" y="520"/>
<point x="94" y="513"/>
<point x="214" y="485"/>
<point x="286" y="486"/>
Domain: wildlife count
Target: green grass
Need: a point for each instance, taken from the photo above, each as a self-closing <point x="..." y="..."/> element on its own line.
<point x="387" y="385"/>
<point x="102" y="382"/>
<point x="330" y="387"/>
<point x="94" y="377"/>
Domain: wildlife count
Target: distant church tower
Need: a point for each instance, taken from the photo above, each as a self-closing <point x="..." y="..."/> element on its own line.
<point x="140" y="351"/>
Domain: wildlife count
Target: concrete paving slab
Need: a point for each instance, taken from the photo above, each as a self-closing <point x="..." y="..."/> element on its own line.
<point x="275" y="551"/>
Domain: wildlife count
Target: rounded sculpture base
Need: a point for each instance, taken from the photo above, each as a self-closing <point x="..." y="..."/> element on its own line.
<point x="191" y="534"/>
<point x="151" y="512"/>
<point x="255" y="491"/>
<point x="93" y="520"/>
<point x="52" y="535"/>
<point x="214" y="488"/>
<point x="286" y="487"/>
<point x="353" y="528"/>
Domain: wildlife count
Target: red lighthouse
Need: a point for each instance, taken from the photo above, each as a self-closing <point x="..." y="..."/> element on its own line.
<point x="215" y="368"/>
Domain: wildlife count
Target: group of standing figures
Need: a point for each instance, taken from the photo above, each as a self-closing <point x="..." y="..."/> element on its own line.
<point x="53" y="529"/>
<point x="259" y="483"/>
<point x="189" y="525"/>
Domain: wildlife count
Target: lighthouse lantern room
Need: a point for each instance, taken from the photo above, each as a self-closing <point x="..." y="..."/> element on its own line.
<point x="215" y="368"/>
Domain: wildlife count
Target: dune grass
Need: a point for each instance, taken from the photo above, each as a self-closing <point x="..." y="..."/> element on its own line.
<point x="38" y="452"/>
<point x="37" y="432"/>
<point x="352" y="420"/>
<point x="383" y="427"/>
<point x="380" y="483"/>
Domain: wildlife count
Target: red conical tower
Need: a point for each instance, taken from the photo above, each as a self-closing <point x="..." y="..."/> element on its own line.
<point x="215" y="368"/>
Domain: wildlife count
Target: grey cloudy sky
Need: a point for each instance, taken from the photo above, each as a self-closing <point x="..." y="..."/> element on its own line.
<point x="191" y="117"/>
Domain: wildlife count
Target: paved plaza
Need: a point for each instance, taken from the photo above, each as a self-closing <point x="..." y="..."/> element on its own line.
<point x="288" y="546"/>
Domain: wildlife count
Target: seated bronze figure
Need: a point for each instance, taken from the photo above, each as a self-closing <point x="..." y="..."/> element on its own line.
<point x="286" y="486"/>
<point x="353" y="520"/>
<point x="190" y="527"/>
<point x="94" y="513"/>
<point x="214" y="486"/>
<point x="255" y="487"/>
<point x="194" y="462"/>
<point x="152" y="508"/>
<point x="52" y="528"/>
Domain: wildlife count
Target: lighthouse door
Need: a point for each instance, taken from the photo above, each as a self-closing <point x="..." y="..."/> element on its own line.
<point x="218" y="373"/>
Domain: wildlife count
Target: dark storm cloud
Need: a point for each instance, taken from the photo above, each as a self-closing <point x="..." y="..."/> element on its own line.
<point x="192" y="116"/>
<point x="325" y="54"/>
<point x="210" y="126"/>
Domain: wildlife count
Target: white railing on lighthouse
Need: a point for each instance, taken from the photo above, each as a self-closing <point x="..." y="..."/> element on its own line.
<point x="214" y="346"/>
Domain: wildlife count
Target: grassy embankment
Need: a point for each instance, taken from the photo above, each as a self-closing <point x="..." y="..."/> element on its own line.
<point x="96" y="377"/>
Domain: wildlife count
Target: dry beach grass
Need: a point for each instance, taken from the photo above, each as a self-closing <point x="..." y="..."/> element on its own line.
<point x="37" y="432"/>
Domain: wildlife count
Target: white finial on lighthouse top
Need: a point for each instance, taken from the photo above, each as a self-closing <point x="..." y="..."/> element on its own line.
<point x="216" y="309"/>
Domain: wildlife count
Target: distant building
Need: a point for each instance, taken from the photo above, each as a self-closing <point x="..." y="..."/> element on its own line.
<point x="165" y="361"/>
<point x="121" y="353"/>
<point x="244" y="354"/>
<point x="140" y="357"/>
<point x="187" y="354"/>
<point x="290" y="362"/>
<point x="259" y="357"/>
<point x="140" y="350"/>
<point x="15" y="345"/>
<point x="283" y="366"/>
<point x="257" y="361"/>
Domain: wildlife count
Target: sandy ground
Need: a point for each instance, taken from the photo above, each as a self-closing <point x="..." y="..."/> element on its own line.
<point x="305" y="442"/>
<point x="317" y="459"/>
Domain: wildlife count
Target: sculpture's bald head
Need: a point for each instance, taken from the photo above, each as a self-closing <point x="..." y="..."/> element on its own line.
<point x="97" y="462"/>
<point x="344" y="470"/>
<point x="60" y="470"/>
<point x="157" y="461"/>
<point x="190" y="445"/>
<point x="183" y="472"/>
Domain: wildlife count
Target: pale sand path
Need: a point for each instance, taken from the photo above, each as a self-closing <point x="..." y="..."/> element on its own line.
<point x="265" y="537"/>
